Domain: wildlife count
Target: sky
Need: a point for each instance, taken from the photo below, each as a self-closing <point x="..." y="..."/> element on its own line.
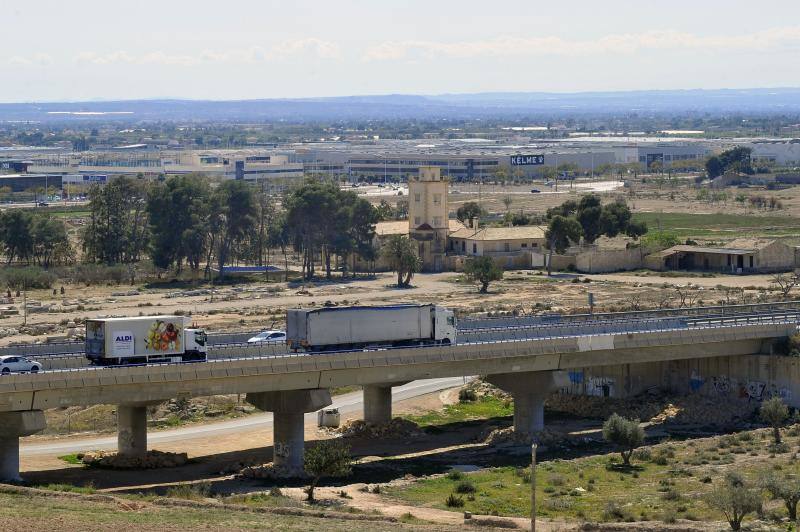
<point x="201" y="49"/>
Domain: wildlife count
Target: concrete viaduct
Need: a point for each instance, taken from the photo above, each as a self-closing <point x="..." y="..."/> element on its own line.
<point x="525" y="359"/>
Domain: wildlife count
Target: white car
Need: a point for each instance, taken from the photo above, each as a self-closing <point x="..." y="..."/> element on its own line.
<point x="18" y="364"/>
<point x="268" y="336"/>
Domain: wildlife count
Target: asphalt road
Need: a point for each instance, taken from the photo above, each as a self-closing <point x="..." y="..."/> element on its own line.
<point x="347" y="403"/>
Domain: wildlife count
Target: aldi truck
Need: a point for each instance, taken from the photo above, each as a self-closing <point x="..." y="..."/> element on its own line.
<point x="336" y="328"/>
<point x="120" y="341"/>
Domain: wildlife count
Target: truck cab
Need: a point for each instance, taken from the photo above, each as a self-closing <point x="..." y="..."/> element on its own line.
<point x="196" y="341"/>
<point x="444" y="325"/>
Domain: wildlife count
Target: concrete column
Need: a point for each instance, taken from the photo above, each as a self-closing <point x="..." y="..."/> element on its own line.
<point x="132" y="430"/>
<point x="289" y="424"/>
<point x="377" y="404"/>
<point x="12" y="426"/>
<point x="529" y="390"/>
<point x="289" y="446"/>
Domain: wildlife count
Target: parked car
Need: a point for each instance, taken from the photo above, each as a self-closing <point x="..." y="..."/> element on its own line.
<point x="535" y="191"/>
<point x="43" y="204"/>
<point x="268" y="336"/>
<point x="18" y="364"/>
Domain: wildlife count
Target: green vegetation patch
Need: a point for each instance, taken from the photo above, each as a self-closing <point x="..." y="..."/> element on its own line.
<point x="719" y="224"/>
<point x="484" y="408"/>
<point x="665" y="482"/>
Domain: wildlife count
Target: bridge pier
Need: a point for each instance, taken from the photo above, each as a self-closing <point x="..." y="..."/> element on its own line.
<point x="529" y="390"/>
<point x="132" y="429"/>
<point x="378" y="403"/>
<point x="289" y="423"/>
<point x="14" y="425"/>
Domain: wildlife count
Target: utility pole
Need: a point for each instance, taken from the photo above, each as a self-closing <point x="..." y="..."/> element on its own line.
<point x="533" y="487"/>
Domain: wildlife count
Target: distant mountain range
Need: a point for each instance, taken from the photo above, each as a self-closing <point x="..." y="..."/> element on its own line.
<point x="453" y="106"/>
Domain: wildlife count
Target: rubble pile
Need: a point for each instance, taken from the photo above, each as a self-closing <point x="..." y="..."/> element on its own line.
<point x="151" y="460"/>
<point x="507" y="437"/>
<point x="396" y="428"/>
<point x="663" y="409"/>
<point x="271" y="472"/>
<point x="484" y="389"/>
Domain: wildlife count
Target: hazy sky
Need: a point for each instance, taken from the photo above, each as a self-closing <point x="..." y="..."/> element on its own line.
<point x="87" y="49"/>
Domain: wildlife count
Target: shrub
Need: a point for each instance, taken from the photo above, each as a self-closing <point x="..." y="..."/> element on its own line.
<point x="774" y="413"/>
<point x="328" y="458"/>
<point x="735" y="499"/>
<point x="455" y="474"/>
<point x="465" y="486"/>
<point x="28" y="277"/>
<point x="454" y="501"/>
<point x="467" y="395"/>
<point x="625" y="433"/>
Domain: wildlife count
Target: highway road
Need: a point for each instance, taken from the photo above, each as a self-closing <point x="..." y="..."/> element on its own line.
<point x="346" y="403"/>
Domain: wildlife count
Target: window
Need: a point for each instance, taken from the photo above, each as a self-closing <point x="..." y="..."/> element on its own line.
<point x="417" y="197"/>
<point x="463" y="245"/>
<point x="437" y="199"/>
<point x="524" y="244"/>
<point x="506" y="247"/>
<point x="534" y="245"/>
<point x="451" y="320"/>
<point x="474" y="248"/>
<point x="437" y="221"/>
<point x="417" y="220"/>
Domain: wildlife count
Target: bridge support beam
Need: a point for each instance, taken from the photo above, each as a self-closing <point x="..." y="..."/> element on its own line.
<point x="378" y="403"/>
<point x="132" y="429"/>
<point x="529" y="390"/>
<point x="12" y="426"/>
<point x="289" y="425"/>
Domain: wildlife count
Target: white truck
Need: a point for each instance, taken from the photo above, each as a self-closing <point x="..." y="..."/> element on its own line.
<point x="120" y="341"/>
<point x="341" y="328"/>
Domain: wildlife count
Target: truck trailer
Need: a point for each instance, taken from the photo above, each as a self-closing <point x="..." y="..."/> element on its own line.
<point x="340" y="328"/>
<point x="142" y="340"/>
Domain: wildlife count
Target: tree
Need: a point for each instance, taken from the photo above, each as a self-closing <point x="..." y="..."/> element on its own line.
<point x="560" y="232"/>
<point x="786" y="282"/>
<point x="660" y="240"/>
<point x="179" y="212"/>
<point x="117" y="230"/>
<point x="624" y="433"/>
<point x="735" y="499"/>
<point x="237" y="215"/>
<point x="507" y="201"/>
<point x="774" y="412"/>
<point x="714" y="167"/>
<point x="399" y="253"/>
<point x="328" y="458"/>
<point x="784" y="487"/>
<point x="588" y="215"/>
<point x="49" y="241"/>
<point x="484" y="270"/>
<point x="469" y="211"/>
<point x="615" y="219"/>
<point x="278" y="236"/>
<point x="15" y="234"/>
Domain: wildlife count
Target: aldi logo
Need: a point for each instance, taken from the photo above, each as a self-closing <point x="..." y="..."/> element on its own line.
<point x="123" y="344"/>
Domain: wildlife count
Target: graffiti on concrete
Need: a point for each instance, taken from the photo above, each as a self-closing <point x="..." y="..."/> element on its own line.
<point x="575" y="377"/>
<point x="600" y="386"/>
<point x="696" y="381"/>
<point x="721" y="384"/>
<point x="755" y="390"/>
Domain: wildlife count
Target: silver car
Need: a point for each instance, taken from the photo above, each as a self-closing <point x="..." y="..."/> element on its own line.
<point x="272" y="336"/>
<point x="18" y="364"/>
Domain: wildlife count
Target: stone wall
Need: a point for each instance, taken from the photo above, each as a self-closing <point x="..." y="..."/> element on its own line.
<point x="612" y="260"/>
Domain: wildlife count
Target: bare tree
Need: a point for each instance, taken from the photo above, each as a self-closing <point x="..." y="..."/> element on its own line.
<point x="785" y="282"/>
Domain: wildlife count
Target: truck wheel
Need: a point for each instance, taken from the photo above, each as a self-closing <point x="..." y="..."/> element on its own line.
<point x="5" y="371"/>
<point x="35" y="369"/>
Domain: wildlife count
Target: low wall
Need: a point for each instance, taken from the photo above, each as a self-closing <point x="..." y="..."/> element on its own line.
<point x="612" y="260"/>
<point x="756" y="377"/>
